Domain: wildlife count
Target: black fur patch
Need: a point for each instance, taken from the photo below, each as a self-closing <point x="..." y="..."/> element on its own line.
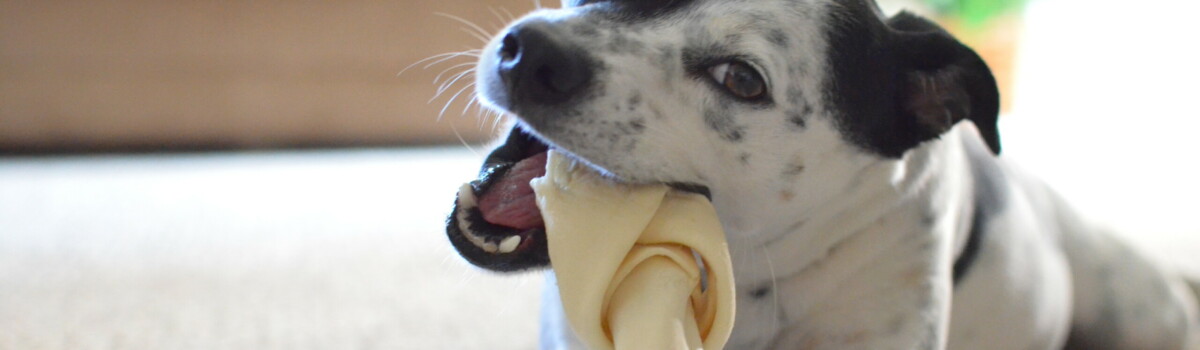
<point x="875" y="75"/>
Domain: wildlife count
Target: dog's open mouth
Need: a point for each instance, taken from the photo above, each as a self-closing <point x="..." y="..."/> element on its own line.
<point x="496" y="223"/>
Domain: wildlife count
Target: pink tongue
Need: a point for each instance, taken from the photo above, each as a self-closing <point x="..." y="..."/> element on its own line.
<point x="511" y="201"/>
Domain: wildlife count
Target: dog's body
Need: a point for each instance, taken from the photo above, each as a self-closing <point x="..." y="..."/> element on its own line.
<point x="1035" y="273"/>
<point x="861" y="210"/>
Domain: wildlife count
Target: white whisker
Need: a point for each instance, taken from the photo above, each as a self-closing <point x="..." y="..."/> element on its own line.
<point x="474" y="99"/>
<point x="496" y="122"/>
<point x="487" y="116"/>
<point x="452" y="77"/>
<point x="437" y="79"/>
<point x="479" y="30"/>
<point x="452" y="98"/>
<point x="446" y="86"/>
<point x="499" y="119"/>
<point x="463" y="141"/>
<point x="481" y="37"/>
<point x="444" y="57"/>
<point x="774" y="290"/>
<point x="498" y="17"/>
<point x="510" y="14"/>
<point x="458" y="77"/>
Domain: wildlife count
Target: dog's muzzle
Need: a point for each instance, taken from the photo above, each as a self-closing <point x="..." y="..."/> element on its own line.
<point x="496" y="223"/>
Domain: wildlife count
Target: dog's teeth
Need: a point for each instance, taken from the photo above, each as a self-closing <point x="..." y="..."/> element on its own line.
<point x="466" y="196"/>
<point x="508" y="245"/>
<point x="489" y="247"/>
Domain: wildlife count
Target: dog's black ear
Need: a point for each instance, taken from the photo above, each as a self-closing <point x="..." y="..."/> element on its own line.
<point x="943" y="81"/>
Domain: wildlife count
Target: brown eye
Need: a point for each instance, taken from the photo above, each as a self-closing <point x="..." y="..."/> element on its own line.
<point x="740" y="79"/>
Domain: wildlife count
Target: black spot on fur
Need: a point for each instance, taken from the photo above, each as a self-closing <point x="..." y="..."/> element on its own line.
<point x="929" y="219"/>
<point x="778" y="38"/>
<point x="638" y="125"/>
<point x="744" y="158"/>
<point x="723" y="124"/>
<point x="794" y="169"/>
<point x="629" y="128"/>
<point x="798" y="119"/>
<point x="634" y="101"/>
<point x="760" y="292"/>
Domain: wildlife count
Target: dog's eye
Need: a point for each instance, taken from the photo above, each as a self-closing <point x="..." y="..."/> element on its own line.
<point x="740" y="79"/>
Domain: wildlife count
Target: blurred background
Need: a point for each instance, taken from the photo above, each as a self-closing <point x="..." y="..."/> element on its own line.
<point x="261" y="175"/>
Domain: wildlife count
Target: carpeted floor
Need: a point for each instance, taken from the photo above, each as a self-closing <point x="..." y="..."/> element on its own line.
<point x="310" y="250"/>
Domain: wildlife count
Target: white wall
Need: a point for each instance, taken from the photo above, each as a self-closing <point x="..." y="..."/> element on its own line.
<point x="1105" y="110"/>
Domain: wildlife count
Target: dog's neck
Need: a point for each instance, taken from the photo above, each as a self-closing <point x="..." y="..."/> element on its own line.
<point x="850" y="199"/>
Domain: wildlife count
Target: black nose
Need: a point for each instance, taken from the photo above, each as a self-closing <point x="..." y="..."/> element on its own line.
<point x="539" y="69"/>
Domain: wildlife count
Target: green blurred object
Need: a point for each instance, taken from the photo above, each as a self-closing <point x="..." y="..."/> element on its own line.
<point x="975" y="13"/>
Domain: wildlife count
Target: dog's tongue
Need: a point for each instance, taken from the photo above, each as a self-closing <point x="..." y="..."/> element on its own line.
<point x="510" y="201"/>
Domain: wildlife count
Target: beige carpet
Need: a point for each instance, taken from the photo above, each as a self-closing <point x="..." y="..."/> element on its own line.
<point x="312" y="250"/>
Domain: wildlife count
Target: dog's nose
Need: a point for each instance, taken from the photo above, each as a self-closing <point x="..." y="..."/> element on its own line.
<point x="539" y="69"/>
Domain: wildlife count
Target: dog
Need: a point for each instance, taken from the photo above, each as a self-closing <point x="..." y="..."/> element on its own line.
<point x="854" y="162"/>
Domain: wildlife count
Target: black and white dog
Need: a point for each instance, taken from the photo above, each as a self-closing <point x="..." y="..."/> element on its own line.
<point x="853" y="160"/>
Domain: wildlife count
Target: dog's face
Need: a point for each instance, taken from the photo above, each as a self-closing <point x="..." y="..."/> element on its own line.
<point x="668" y="91"/>
<point x="753" y="101"/>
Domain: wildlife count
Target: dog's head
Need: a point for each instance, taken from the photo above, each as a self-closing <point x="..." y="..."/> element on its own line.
<point x="727" y="97"/>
